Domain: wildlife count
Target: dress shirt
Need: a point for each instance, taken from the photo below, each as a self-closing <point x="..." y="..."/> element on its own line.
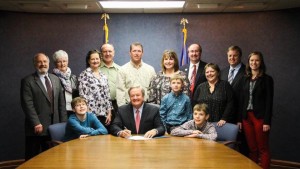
<point x="42" y="77"/>
<point x="140" y="111"/>
<point x="191" y="70"/>
<point x="208" y="130"/>
<point x="175" y="110"/>
<point x="111" y="73"/>
<point x="236" y="69"/>
<point x="130" y="75"/>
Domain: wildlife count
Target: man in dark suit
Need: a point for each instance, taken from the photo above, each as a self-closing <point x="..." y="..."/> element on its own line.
<point x="137" y="117"/>
<point x="196" y="65"/>
<point x="43" y="103"/>
<point x="234" y="74"/>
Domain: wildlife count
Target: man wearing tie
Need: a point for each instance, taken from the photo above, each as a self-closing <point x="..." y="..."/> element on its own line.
<point x="137" y="117"/>
<point x="194" y="70"/>
<point x="43" y="103"/>
<point x="234" y="74"/>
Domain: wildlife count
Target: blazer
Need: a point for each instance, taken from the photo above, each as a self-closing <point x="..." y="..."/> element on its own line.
<point x="36" y="104"/>
<point x="236" y="85"/>
<point x="74" y="85"/>
<point x="200" y="76"/>
<point x="150" y="120"/>
<point x="262" y="98"/>
<point x="237" y="79"/>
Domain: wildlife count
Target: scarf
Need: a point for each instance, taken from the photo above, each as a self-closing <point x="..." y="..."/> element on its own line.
<point x="64" y="78"/>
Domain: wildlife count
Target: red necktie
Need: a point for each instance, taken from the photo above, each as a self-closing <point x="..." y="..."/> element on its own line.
<point x="193" y="79"/>
<point x="137" y="121"/>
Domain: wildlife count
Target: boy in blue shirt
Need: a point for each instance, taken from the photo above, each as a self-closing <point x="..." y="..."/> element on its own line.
<point x="175" y="108"/>
<point x="82" y="123"/>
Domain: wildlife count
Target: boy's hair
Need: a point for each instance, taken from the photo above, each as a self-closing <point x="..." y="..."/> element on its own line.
<point x="77" y="100"/>
<point x="177" y="77"/>
<point x="201" y="107"/>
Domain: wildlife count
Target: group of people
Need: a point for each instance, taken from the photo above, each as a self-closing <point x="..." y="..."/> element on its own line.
<point x="133" y="99"/>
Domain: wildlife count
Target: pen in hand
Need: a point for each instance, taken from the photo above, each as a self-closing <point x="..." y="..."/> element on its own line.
<point x="126" y="132"/>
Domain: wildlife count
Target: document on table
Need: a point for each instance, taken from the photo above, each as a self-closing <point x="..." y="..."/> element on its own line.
<point x="138" y="138"/>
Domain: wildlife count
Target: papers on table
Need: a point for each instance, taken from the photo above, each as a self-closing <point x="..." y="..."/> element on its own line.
<point x="138" y="138"/>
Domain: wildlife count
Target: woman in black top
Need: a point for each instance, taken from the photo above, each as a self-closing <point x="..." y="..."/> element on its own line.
<point x="217" y="94"/>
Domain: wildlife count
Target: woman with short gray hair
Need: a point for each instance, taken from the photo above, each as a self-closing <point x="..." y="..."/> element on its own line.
<point x="67" y="79"/>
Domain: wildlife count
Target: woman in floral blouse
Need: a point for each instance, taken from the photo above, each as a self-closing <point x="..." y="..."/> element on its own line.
<point x="160" y="83"/>
<point x="93" y="86"/>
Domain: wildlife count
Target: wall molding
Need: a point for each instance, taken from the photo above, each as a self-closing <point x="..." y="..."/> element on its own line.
<point x="11" y="163"/>
<point x="285" y="164"/>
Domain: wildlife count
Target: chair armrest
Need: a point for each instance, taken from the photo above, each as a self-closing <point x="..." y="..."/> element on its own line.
<point x="54" y="143"/>
<point x="57" y="142"/>
<point x="226" y="143"/>
<point x="231" y="144"/>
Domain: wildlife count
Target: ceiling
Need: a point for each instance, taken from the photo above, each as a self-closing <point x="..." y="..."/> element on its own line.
<point x="190" y="6"/>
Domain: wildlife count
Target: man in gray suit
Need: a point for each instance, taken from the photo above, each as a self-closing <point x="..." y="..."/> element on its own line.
<point x="43" y="103"/>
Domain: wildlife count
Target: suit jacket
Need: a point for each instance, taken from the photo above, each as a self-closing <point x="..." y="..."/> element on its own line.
<point x="237" y="79"/>
<point x="200" y="76"/>
<point x="262" y="98"/>
<point x="236" y="85"/>
<point x="36" y="103"/>
<point x="150" y="120"/>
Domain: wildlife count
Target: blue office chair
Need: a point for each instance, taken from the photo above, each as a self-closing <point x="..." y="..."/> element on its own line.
<point x="227" y="134"/>
<point x="57" y="133"/>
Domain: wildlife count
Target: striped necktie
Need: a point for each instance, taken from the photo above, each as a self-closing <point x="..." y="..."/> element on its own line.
<point x="231" y="76"/>
<point x="50" y="92"/>
<point x="49" y="88"/>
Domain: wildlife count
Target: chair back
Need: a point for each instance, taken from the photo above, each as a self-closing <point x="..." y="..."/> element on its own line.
<point x="227" y="132"/>
<point x="156" y="105"/>
<point x="57" y="131"/>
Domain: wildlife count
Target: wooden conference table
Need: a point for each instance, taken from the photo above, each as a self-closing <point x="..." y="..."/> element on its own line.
<point x="161" y="153"/>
